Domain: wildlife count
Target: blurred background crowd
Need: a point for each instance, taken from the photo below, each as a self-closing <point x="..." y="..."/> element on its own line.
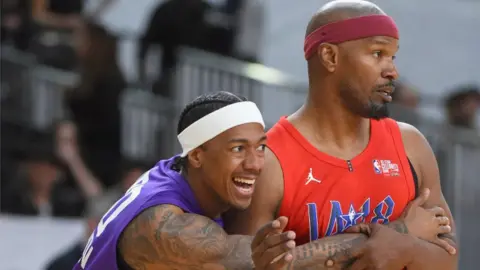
<point x="91" y="90"/>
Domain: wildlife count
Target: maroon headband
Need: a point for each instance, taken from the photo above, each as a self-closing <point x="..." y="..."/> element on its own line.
<point x="350" y="29"/>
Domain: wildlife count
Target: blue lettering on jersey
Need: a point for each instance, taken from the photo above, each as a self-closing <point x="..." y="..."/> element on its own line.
<point x="340" y="221"/>
<point x="313" y="220"/>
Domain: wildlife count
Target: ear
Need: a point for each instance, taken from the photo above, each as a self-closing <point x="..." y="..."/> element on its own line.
<point x="195" y="157"/>
<point x="328" y="56"/>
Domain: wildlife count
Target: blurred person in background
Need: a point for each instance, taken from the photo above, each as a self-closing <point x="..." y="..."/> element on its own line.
<point x="405" y="102"/>
<point x="94" y="103"/>
<point x="249" y="29"/>
<point x="55" y="21"/>
<point x="94" y="212"/>
<point x="462" y="106"/>
<point x="15" y="23"/>
<point x="405" y="95"/>
<point x="39" y="188"/>
<point x="68" y="152"/>
<point x="172" y="24"/>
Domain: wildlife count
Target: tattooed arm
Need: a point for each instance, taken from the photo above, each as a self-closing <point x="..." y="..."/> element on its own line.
<point x="334" y="252"/>
<point x="164" y="237"/>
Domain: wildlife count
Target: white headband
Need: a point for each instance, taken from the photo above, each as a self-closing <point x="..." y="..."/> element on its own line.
<point x="211" y="125"/>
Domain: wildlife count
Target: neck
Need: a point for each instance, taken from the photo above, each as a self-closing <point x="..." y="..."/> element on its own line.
<point x="210" y="203"/>
<point x="325" y="118"/>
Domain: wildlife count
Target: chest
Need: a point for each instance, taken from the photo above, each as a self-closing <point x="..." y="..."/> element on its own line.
<point x="329" y="199"/>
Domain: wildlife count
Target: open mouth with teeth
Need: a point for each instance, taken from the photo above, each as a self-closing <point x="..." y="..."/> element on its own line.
<point x="244" y="185"/>
<point x="386" y="95"/>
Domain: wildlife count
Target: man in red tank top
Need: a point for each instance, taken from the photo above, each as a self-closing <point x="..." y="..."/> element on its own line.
<point x="339" y="161"/>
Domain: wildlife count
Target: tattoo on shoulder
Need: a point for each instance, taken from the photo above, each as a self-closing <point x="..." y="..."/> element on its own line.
<point x="160" y="238"/>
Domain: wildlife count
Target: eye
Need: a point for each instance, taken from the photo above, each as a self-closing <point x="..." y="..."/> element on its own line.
<point x="237" y="149"/>
<point x="261" y="148"/>
<point x="377" y="54"/>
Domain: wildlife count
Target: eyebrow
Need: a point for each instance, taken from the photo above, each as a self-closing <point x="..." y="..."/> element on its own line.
<point x="242" y="140"/>
<point x="382" y="41"/>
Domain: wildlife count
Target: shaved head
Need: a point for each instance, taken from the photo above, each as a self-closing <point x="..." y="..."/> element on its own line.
<point x="340" y="10"/>
<point x="351" y="58"/>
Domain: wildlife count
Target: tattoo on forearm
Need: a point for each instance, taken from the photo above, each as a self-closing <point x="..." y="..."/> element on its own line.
<point x="328" y="253"/>
<point x="161" y="239"/>
<point x="333" y="252"/>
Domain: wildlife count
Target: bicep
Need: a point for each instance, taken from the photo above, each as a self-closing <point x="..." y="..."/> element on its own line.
<point x="266" y="199"/>
<point x="425" y="163"/>
<point x="163" y="237"/>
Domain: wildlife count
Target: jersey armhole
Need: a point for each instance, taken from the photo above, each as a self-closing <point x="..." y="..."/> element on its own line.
<point x="411" y="181"/>
<point x="415" y="178"/>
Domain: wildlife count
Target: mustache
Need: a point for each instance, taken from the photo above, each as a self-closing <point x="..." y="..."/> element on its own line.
<point x="390" y="84"/>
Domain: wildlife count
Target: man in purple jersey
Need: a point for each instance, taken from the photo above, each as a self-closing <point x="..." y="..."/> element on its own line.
<point x="171" y="217"/>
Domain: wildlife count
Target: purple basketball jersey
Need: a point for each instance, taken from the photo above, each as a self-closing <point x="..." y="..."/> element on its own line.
<point x="160" y="185"/>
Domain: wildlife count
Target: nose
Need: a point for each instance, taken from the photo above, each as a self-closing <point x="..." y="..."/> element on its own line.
<point x="390" y="72"/>
<point x="254" y="162"/>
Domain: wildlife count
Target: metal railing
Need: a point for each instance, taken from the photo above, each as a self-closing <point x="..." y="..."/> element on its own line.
<point x="32" y="96"/>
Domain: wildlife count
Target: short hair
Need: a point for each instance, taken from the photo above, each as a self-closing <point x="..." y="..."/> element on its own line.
<point x="198" y="108"/>
<point x="462" y="93"/>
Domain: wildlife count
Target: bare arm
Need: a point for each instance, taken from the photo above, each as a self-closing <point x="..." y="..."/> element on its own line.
<point x="85" y="179"/>
<point x="163" y="237"/>
<point x="429" y="256"/>
<point x="67" y="150"/>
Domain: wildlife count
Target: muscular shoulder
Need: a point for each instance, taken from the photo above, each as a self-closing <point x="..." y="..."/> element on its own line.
<point x="414" y="142"/>
<point x="165" y="237"/>
<point x="420" y="154"/>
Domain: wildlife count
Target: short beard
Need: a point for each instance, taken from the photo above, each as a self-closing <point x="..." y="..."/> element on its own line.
<point x="370" y="110"/>
<point x="377" y="111"/>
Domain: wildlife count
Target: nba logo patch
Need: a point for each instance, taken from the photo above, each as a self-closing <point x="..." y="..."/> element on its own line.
<point x="376" y="166"/>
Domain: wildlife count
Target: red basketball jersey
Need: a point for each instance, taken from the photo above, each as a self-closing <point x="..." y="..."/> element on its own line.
<point x="324" y="195"/>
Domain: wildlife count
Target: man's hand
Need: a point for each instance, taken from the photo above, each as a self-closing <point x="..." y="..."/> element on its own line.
<point x="427" y="224"/>
<point x="271" y="246"/>
<point x="385" y="249"/>
<point x="388" y="248"/>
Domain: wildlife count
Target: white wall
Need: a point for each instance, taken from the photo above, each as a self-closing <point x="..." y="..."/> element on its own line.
<point x="29" y="243"/>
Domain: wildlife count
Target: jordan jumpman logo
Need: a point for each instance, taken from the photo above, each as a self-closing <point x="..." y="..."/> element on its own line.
<point x="310" y="178"/>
